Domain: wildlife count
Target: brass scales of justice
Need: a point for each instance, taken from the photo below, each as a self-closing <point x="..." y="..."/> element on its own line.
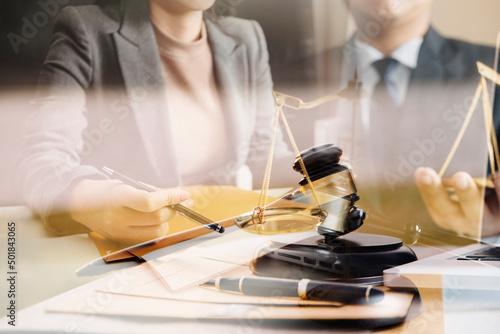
<point x="325" y="200"/>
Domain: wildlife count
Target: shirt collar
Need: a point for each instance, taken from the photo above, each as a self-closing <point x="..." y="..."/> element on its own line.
<point x="406" y="54"/>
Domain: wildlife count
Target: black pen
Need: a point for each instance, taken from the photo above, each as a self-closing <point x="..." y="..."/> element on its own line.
<point x="184" y="211"/>
<point x="304" y="289"/>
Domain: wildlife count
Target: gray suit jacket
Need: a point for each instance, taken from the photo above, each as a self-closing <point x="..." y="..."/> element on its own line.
<point x="102" y="101"/>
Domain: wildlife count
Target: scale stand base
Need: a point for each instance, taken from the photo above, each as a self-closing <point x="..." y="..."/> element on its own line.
<point x="354" y="257"/>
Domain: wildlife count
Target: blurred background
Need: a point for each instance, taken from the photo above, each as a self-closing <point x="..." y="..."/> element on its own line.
<point x="294" y="29"/>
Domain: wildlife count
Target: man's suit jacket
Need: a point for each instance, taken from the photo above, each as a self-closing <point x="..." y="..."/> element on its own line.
<point x="102" y="101"/>
<point x="422" y="131"/>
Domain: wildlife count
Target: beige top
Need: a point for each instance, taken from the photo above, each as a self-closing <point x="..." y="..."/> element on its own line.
<point x="198" y="124"/>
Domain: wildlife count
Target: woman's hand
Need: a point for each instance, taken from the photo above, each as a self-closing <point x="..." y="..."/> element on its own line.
<point x="463" y="215"/>
<point x="123" y="213"/>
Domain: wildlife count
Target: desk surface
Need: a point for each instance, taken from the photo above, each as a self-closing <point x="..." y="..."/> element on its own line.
<point x="46" y="266"/>
<point x="45" y="263"/>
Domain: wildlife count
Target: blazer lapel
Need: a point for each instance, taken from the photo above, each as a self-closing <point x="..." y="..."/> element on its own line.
<point x="429" y="90"/>
<point x="141" y="68"/>
<point x="231" y="74"/>
<point x="430" y="70"/>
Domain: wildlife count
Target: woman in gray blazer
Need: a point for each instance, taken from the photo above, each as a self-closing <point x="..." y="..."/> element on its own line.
<point x="113" y="92"/>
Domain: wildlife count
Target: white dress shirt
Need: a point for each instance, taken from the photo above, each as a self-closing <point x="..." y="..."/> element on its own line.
<point x="399" y="74"/>
<point x="359" y="55"/>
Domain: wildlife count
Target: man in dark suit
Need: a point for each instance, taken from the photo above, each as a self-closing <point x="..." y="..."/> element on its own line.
<point x="418" y="87"/>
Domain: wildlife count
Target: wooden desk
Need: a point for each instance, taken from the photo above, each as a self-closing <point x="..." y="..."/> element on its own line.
<point x="45" y="263"/>
<point x="46" y="267"/>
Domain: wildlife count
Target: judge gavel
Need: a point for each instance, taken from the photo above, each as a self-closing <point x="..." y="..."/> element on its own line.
<point x="329" y="176"/>
<point x="326" y="200"/>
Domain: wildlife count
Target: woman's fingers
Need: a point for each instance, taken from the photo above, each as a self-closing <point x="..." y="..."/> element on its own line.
<point x="123" y="213"/>
<point x="144" y="201"/>
<point x="131" y="217"/>
<point x="137" y="234"/>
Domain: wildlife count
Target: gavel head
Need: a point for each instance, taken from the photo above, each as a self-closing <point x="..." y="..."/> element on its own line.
<point x="334" y="188"/>
<point x="319" y="161"/>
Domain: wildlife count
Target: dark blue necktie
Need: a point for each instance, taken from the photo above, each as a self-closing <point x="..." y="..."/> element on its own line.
<point x="383" y="126"/>
<point x="381" y="94"/>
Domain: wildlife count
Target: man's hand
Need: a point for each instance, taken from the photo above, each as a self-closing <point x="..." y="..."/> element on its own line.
<point x="462" y="215"/>
<point x="122" y="213"/>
